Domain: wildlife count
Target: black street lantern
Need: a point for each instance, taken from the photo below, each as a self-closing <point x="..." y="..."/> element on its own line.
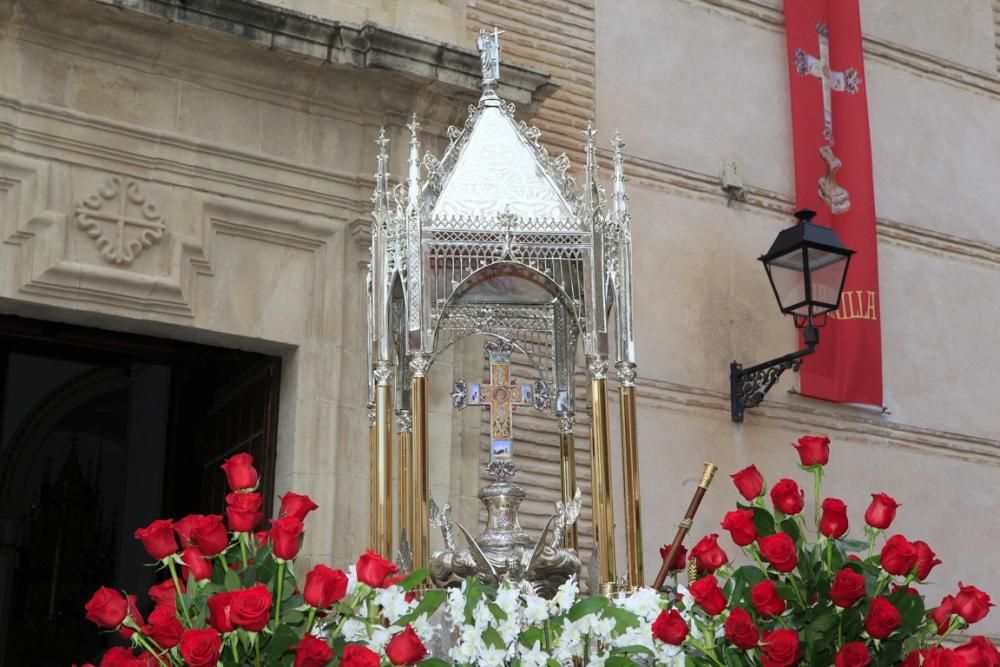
<point x="806" y="265"/>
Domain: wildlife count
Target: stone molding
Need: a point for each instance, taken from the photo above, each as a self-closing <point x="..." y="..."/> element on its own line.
<point x="367" y="46"/>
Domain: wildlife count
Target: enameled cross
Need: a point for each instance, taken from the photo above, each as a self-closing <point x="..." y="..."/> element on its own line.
<point x="847" y="81"/>
<point x="501" y="396"/>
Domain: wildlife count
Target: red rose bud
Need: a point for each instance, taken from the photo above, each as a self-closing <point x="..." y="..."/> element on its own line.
<point x="971" y="603"/>
<point x="979" y="652"/>
<point x="787" y="497"/>
<point x="297" y="505"/>
<point x="739" y="523"/>
<point x="201" y="648"/>
<point x="250" y="608"/>
<point x="240" y="472"/>
<point x="941" y="615"/>
<point x="882" y="618"/>
<point x="853" y="654"/>
<point x="356" y="655"/>
<point x="780" y="648"/>
<point x="219" y="606"/>
<point x="670" y="628"/>
<point x="833" y="523"/>
<point x="405" y="648"/>
<point x="184" y="527"/>
<point x="740" y="629"/>
<point x="285" y="533"/>
<point x="749" y="482"/>
<point x="766" y="600"/>
<point x="163" y="592"/>
<point x="324" y="587"/>
<point x="779" y="550"/>
<point x="708" y="554"/>
<point x="881" y="512"/>
<point x="107" y="608"/>
<point x="196" y="564"/>
<point x="898" y="556"/>
<point x="847" y="588"/>
<point x="312" y="652"/>
<point x="209" y="534"/>
<point x="158" y="538"/>
<point x="813" y="450"/>
<point x="163" y="626"/>
<point x="708" y="595"/>
<point x="926" y="560"/>
<point x="262" y="537"/>
<point x="373" y="570"/>
<point x="243" y="511"/>
<point x="680" y="558"/>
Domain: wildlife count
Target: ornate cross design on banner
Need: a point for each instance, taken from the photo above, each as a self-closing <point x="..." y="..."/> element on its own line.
<point x="848" y="81"/>
<point x="499" y="395"/>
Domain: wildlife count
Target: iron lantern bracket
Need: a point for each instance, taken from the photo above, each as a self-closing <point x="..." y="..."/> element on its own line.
<point x="748" y="386"/>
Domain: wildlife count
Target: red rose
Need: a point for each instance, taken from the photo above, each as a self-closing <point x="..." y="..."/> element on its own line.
<point x="748" y="482"/>
<point x="833" y="523"/>
<point x="926" y="560"/>
<point x="184" y="527"/>
<point x="847" y="588"/>
<point x="200" y="648"/>
<point x="813" y="450"/>
<point x="670" y="628"/>
<point x="914" y="658"/>
<point x="971" y="603"/>
<point x="898" y="555"/>
<point x="779" y="550"/>
<point x="127" y="631"/>
<point x="285" y="533"/>
<point x="243" y="511"/>
<point x="297" y="505"/>
<point x="740" y="629"/>
<point x="881" y="512"/>
<point x="708" y="554"/>
<point x="787" y="497"/>
<point x="373" y="570"/>
<point x="107" y="608"/>
<point x="324" y="586"/>
<point x="680" y="558"/>
<point x="942" y="657"/>
<point x="121" y="657"/>
<point x="163" y="592"/>
<point x="356" y="655"/>
<point x="262" y="537"/>
<point x="941" y="615"/>
<point x="196" y="564"/>
<point x="405" y="648"/>
<point x="780" y="648"/>
<point x="739" y="523"/>
<point x="251" y="608"/>
<point x="312" y="652"/>
<point x="240" y="472"/>
<point x="766" y="600"/>
<point x="163" y="627"/>
<point x="219" y="606"/>
<point x="158" y="538"/>
<point x="209" y="535"/>
<point x="708" y="595"/>
<point x="979" y="652"/>
<point x="882" y="618"/>
<point x="852" y="654"/>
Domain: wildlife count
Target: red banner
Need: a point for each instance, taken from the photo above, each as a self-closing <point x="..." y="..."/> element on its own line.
<point x="833" y="176"/>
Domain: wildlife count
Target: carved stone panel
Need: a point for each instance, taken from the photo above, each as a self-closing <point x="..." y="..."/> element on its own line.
<point x="120" y="220"/>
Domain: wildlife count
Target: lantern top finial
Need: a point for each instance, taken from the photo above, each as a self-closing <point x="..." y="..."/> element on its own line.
<point x="489" y="55"/>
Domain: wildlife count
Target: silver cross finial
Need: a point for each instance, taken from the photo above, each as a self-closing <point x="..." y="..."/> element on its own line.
<point x="382" y="140"/>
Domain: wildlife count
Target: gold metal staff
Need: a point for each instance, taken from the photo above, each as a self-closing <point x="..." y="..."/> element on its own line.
<point x="567" y="470"/>
<point x="600" y="470"/>
<point x="630" y="474"/>
<point x="420" y="539"/>
<point x="685" y="525"/>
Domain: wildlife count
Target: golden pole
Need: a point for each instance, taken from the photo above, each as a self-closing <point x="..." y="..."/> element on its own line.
<point x="372" y="474"/>
<point x="383" y="463"/>
<point x="405" y="438"/>
<point x="567" y="469"/>
<point x="630" y="475"/>
<point x="420" y="540"/>
<point x="600" y="471"/>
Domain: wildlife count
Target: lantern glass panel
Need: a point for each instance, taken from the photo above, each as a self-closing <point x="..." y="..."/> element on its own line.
<point x="826" y="271"/>
<point x="788" y="279"/>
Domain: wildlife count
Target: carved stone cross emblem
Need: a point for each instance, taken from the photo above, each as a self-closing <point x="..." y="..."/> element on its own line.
<point x="848" y="81"/>
<point x="120" y="220"/>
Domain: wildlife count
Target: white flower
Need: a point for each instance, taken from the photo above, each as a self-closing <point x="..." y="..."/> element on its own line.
<point x="640" y="635"/>
<point x="602" y="627"/>
<point x="352" y="580"/>
<point x="508" y="598"/>
<point x="644" y="603"/>
<point x="393" y="603"/>
<point x="482" y="616"/>
<point x="354" y="630"/>
<point x="668" y="654"/>
<point x="492" y="657"/>
<point x="509" y="629"/>
<point x="567" y="594"/>
<point x="597" y="659"/>
<point x="467" y="648"/>
<point x="535" y="657"/>
<point x="380" y="637"/>
<point x="422" y="626"/>
<point x="456" y="606"/>
<point x="536" y="609"/>
<point x="569" y="644"/>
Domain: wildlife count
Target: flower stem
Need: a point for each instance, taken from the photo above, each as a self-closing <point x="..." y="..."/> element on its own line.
<point x="256" y="649"/>
<point x="798" y="593"/>
<point x="872" y="534"/>
<point x="277" y="602"/>
<point x="956" y="622"/>
<point x="309" y="622"/>
<point x="243" y="548"/>
<point x="232" y="647"/>
<point x="817" y="487"/>
<point x="829" y="553"/>
<point x="177" y="587"/>
<point x="141" y="641"/>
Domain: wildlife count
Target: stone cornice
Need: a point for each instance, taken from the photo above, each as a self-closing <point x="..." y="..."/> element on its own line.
<point x="368" y="45"/>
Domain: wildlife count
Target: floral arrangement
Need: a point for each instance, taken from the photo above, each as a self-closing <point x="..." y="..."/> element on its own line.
<point x="233" y="598"/>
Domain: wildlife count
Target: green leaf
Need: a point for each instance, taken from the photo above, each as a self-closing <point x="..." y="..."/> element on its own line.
<point x="292" y="617"/>
<point x="623" y="619"/>
<point x="634" y="648"/>
<point x="497" y="612"/>
<point x="789" y="526"/>
<point x="414" y="579"/>
<point x="587" y="606"/>
<point x="434" y="662"/>
<point x="428" y="604"/>
<point x="232" y="581"/>
<point x="531" y="636"/>
<point x="492" y="638"/>
<point x="280" y="642"/>
<point x="618" y="661"/>
<point x="763" y="520"/>
<point x="848" y="545"/>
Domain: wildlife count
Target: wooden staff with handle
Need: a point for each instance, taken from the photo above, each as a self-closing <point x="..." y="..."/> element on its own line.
<point x="685" y="525"/>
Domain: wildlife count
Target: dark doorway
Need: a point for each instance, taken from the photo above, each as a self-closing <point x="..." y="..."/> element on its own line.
<point x="101" y="433"/>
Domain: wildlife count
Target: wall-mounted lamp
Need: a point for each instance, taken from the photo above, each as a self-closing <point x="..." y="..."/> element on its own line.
<point x="806" y="266"/>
